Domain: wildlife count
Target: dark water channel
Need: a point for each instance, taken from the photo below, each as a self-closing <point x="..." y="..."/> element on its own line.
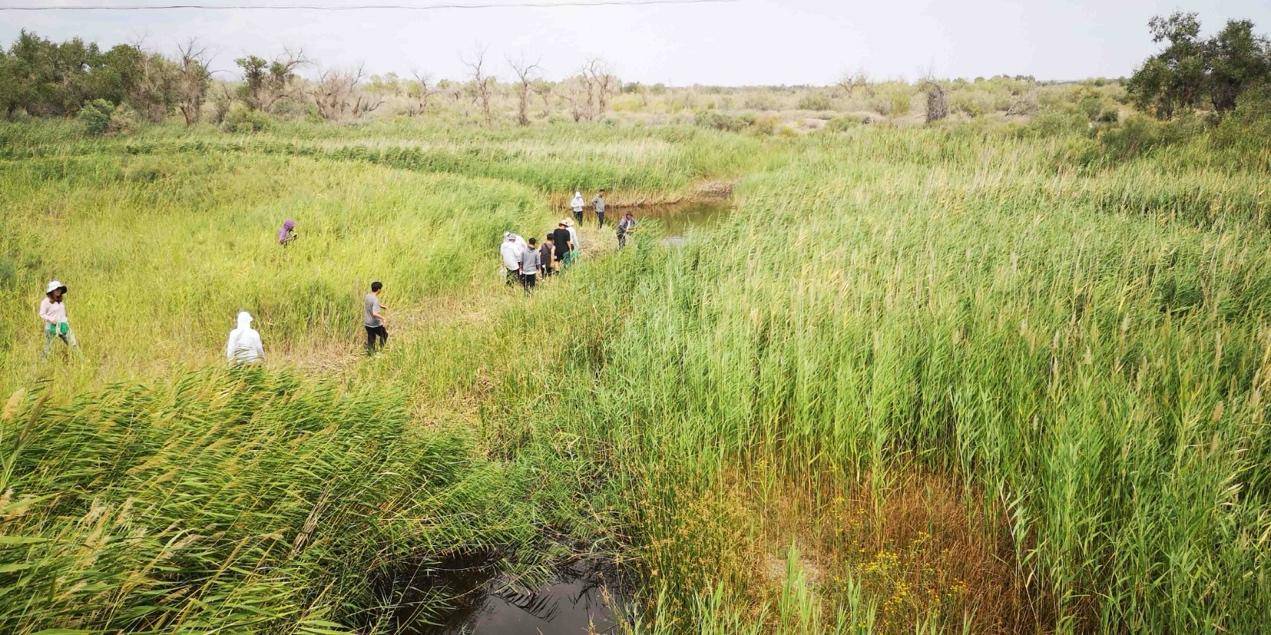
<point x="583" y="597"/>
<point x="678" y="221"/>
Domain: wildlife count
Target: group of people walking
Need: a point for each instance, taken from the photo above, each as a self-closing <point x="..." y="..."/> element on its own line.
<point x="525" y="261"/>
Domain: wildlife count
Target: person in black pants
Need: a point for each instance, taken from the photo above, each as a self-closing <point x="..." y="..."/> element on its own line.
<point x="599" y="203"/>
<point x="373" y="319"/>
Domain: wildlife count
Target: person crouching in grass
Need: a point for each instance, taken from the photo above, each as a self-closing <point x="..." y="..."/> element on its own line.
<point x="244" y="345"/>
<point x="53" y="315"/>
<point x="530" y="266"/>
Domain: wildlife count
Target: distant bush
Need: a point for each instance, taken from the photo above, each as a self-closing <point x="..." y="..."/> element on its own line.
<point x="816" y="101"/>
<point x="1054" y="123"/>
<point x="716" y="120"/>
<point x="764" y="125"/>
<point x="95" y="115"/>
<point x="1139" y="135"/>
<point x="893" y="100"/>
<point x="124" y="120"/>
<point x="241" y="119"/>
<point x="841" y="124"/>
<point x="760" y="102"/>
<point x="1249" y="126"/>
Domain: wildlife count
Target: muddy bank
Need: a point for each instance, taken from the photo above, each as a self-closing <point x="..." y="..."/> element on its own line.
<point x="616" y="200"/>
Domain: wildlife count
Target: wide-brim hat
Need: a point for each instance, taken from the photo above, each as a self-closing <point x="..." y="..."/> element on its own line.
<point x="54" y="285"/>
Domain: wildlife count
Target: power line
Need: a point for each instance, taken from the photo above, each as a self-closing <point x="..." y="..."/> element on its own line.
<point x="536" y="4"/>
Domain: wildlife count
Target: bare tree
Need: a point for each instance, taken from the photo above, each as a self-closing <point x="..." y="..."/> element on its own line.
<point x="601" y="84"/>
<point x="337" y="94"/>
<point x="482" y="85"/>
<point x="192" y="80"/>
<point x="267" y="83"/>
<point x="543" y="89"/>
<point x="937" y="105"/>
<point x="577" y="92"/>
<point x="222" y="99"/>
<point x="425" y="87"/>
<point x="852" y="81"/>
<point x="526" y="74"/>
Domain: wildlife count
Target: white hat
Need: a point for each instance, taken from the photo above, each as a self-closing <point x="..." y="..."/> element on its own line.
<point x="54" y="285"/>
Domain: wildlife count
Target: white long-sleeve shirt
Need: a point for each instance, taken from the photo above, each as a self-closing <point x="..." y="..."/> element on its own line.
<point x="52" y="312"/>
<point x="511" y="250"/>
<point x="244" y="345"/>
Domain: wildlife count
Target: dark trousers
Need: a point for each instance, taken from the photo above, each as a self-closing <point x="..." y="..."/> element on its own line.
<point x="600" y="218"/>
<point x="514" y="276"/>
<point x="578" y="216"/>
<point x="528" y="280"/>
<point x="374" y="333"/>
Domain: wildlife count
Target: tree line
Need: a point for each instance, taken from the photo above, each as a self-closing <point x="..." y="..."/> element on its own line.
<point x="1193" y="72"/>
<point x="43" y="78"/>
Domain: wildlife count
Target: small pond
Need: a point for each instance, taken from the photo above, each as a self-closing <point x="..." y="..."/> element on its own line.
<point x="581" y="598"/>
<point x="680" y="219"/>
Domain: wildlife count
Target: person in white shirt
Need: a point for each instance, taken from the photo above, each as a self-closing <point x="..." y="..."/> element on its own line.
<point x="53" y="316"/>
<point x="577" y="205"/>
<point x="510" y="251"/>
<point x="244" y="345"/>
<point x="576" y="248"/>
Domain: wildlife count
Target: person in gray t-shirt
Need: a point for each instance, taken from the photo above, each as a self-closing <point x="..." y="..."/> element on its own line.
<point x="599" y="202"/>
<point x="373" y="320"/>
<point x="530" y="265"/>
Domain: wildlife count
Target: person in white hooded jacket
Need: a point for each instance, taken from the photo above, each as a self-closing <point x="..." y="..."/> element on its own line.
<point x="244" y="345"/>
<point x="577" y="205"/>
<point x="511" y="250"/>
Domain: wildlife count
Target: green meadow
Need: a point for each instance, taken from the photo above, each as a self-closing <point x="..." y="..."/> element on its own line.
<point x="977" y="376"/>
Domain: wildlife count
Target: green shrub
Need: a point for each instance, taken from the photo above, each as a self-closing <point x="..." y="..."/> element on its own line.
<point x="241" y="119"/>
<point x="893" y="99"/>
<point x="816" y="101"/>
<point x="95" y="115"/>
<point x="760" y="102"/>
<point x="1139" y="135"/>
<point x="123" y="120"/>
<point x="841" y="124"/>
<point x="719" y="121"/>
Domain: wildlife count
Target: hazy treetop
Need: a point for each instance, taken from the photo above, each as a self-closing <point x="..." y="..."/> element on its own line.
<point x="746" y="42"/>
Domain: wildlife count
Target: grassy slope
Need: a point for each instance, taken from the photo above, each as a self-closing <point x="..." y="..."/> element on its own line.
<point x="1085" y="351"/>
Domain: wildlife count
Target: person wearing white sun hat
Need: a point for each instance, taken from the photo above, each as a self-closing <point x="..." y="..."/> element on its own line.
<point x="244" y="345"/>
<point x="576" y="245"/>
<point x="53" y="315"/>
<point x="577" y="205"/>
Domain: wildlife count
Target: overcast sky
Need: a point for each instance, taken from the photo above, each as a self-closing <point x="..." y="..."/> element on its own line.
<point x="733" y="43"/>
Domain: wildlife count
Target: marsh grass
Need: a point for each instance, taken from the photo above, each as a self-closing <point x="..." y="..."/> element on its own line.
<point x="1055" y="367"/>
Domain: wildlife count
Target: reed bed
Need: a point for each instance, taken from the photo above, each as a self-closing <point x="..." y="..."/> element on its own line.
<point x="957" y="332"/>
